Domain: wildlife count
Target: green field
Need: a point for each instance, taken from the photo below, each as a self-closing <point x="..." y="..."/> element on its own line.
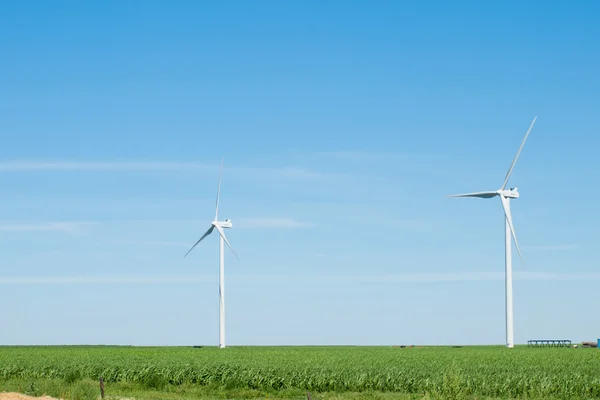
<point x="289" y="372"/>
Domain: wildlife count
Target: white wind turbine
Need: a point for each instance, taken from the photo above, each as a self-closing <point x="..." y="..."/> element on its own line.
<point x="219" y="226"/>
<point x="505" y="196"/>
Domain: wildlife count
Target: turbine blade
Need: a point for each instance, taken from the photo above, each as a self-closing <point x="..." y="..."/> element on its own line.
<point x="222" y="233"/>
<point x="219" y="190"/>
<point x="512" y="166"/>
<point x="483" y="195"/>
<point x="508" y="216"/>
<point x="208" y="232"/>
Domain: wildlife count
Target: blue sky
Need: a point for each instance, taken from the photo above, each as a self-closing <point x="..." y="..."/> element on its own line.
<point x="343" y="126"/>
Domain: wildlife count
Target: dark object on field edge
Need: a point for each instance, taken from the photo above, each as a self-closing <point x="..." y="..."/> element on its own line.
<point x="589" y="344"/>
<point x="308" y="396"/>
<point x="101" y="387"/>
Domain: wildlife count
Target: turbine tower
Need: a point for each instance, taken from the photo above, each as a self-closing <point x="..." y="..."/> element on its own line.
<point x="219" y="226"/>
<point x="505" y="196"/>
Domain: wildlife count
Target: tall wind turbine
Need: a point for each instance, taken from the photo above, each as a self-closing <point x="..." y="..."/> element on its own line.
<point x="219" y="226"/>
<point x="505" y="196"/>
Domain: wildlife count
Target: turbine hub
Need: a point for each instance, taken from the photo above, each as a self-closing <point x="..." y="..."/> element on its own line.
<point x="512" y="193"/>
<point x="226" y="224"/>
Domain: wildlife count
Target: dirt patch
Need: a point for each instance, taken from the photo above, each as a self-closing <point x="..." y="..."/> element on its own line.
<point x="19" y="396"/>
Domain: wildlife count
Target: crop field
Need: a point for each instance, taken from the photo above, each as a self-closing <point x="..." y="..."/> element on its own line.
<point x="289" y="372"/>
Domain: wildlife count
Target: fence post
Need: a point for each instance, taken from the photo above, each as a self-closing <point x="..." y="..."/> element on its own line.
<point x="101" y="387"/>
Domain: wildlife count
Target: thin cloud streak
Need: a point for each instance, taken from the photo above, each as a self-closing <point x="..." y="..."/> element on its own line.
<point x="288" y="172"/>
<point x="473" y="276"/>
<point x="70" y="227"/>
<point x="387" y="279"/>
<point x="159" y="243"/>
<point x="242" y="223"/>
<point x="272" y="222"/>
<point x="450" y="277"/>
<point x="76" y="280"/>
<point x="550" y="276"/>
<point x="356" y="155"/>
<point x="361" y="155"/>
<point x="558" y="247"/>
<point x="100" y="166"/>
<point x="411" y="224"/>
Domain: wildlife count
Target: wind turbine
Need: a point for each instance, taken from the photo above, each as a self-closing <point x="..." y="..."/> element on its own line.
<point x="219" y="226"/>
<point x="505" y="196"/>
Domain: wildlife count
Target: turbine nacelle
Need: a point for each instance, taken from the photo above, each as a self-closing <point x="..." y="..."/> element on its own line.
<point x="512" y="193"/>
<point x="224" y="224"/>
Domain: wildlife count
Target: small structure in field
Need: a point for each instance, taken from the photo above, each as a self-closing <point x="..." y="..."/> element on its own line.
<point x="549" y="343"/>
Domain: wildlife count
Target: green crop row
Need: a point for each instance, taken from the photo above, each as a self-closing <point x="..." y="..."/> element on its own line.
<point x="450" y="372"/>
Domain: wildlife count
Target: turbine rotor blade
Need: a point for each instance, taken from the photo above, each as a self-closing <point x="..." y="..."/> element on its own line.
<point x="222" y="233"/>
<point x="483" y="195"/>
<point x="219" y="190"/>
<point x="512" y="166"/>
<point x="508" y="216"/>
<point x="208" y="232"/>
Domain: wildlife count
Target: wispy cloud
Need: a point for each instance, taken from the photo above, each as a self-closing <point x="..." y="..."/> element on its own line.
<point x="449" y="277"/>
<point x="70" y="227"/>
<point x="383" y="279"/>
<point x="131" y="279"/>
<point x="100" y="166"/>
<point x="473" y="276"/>
<point x="551" y="276"/>
<point x="357" y="214"/>
<point x="242" y="222"/>
<point x="355" y="155"/>
<point x="556" y="247"/>
<point x="378" y="156"/>
<point x="273" y="222"/>
<point x="152" y="243"/>
<point x="268" y="173"/>
<point x="411" y="224"/>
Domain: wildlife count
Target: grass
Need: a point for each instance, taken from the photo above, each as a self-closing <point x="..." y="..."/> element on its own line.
<point x="384" y="373"/>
